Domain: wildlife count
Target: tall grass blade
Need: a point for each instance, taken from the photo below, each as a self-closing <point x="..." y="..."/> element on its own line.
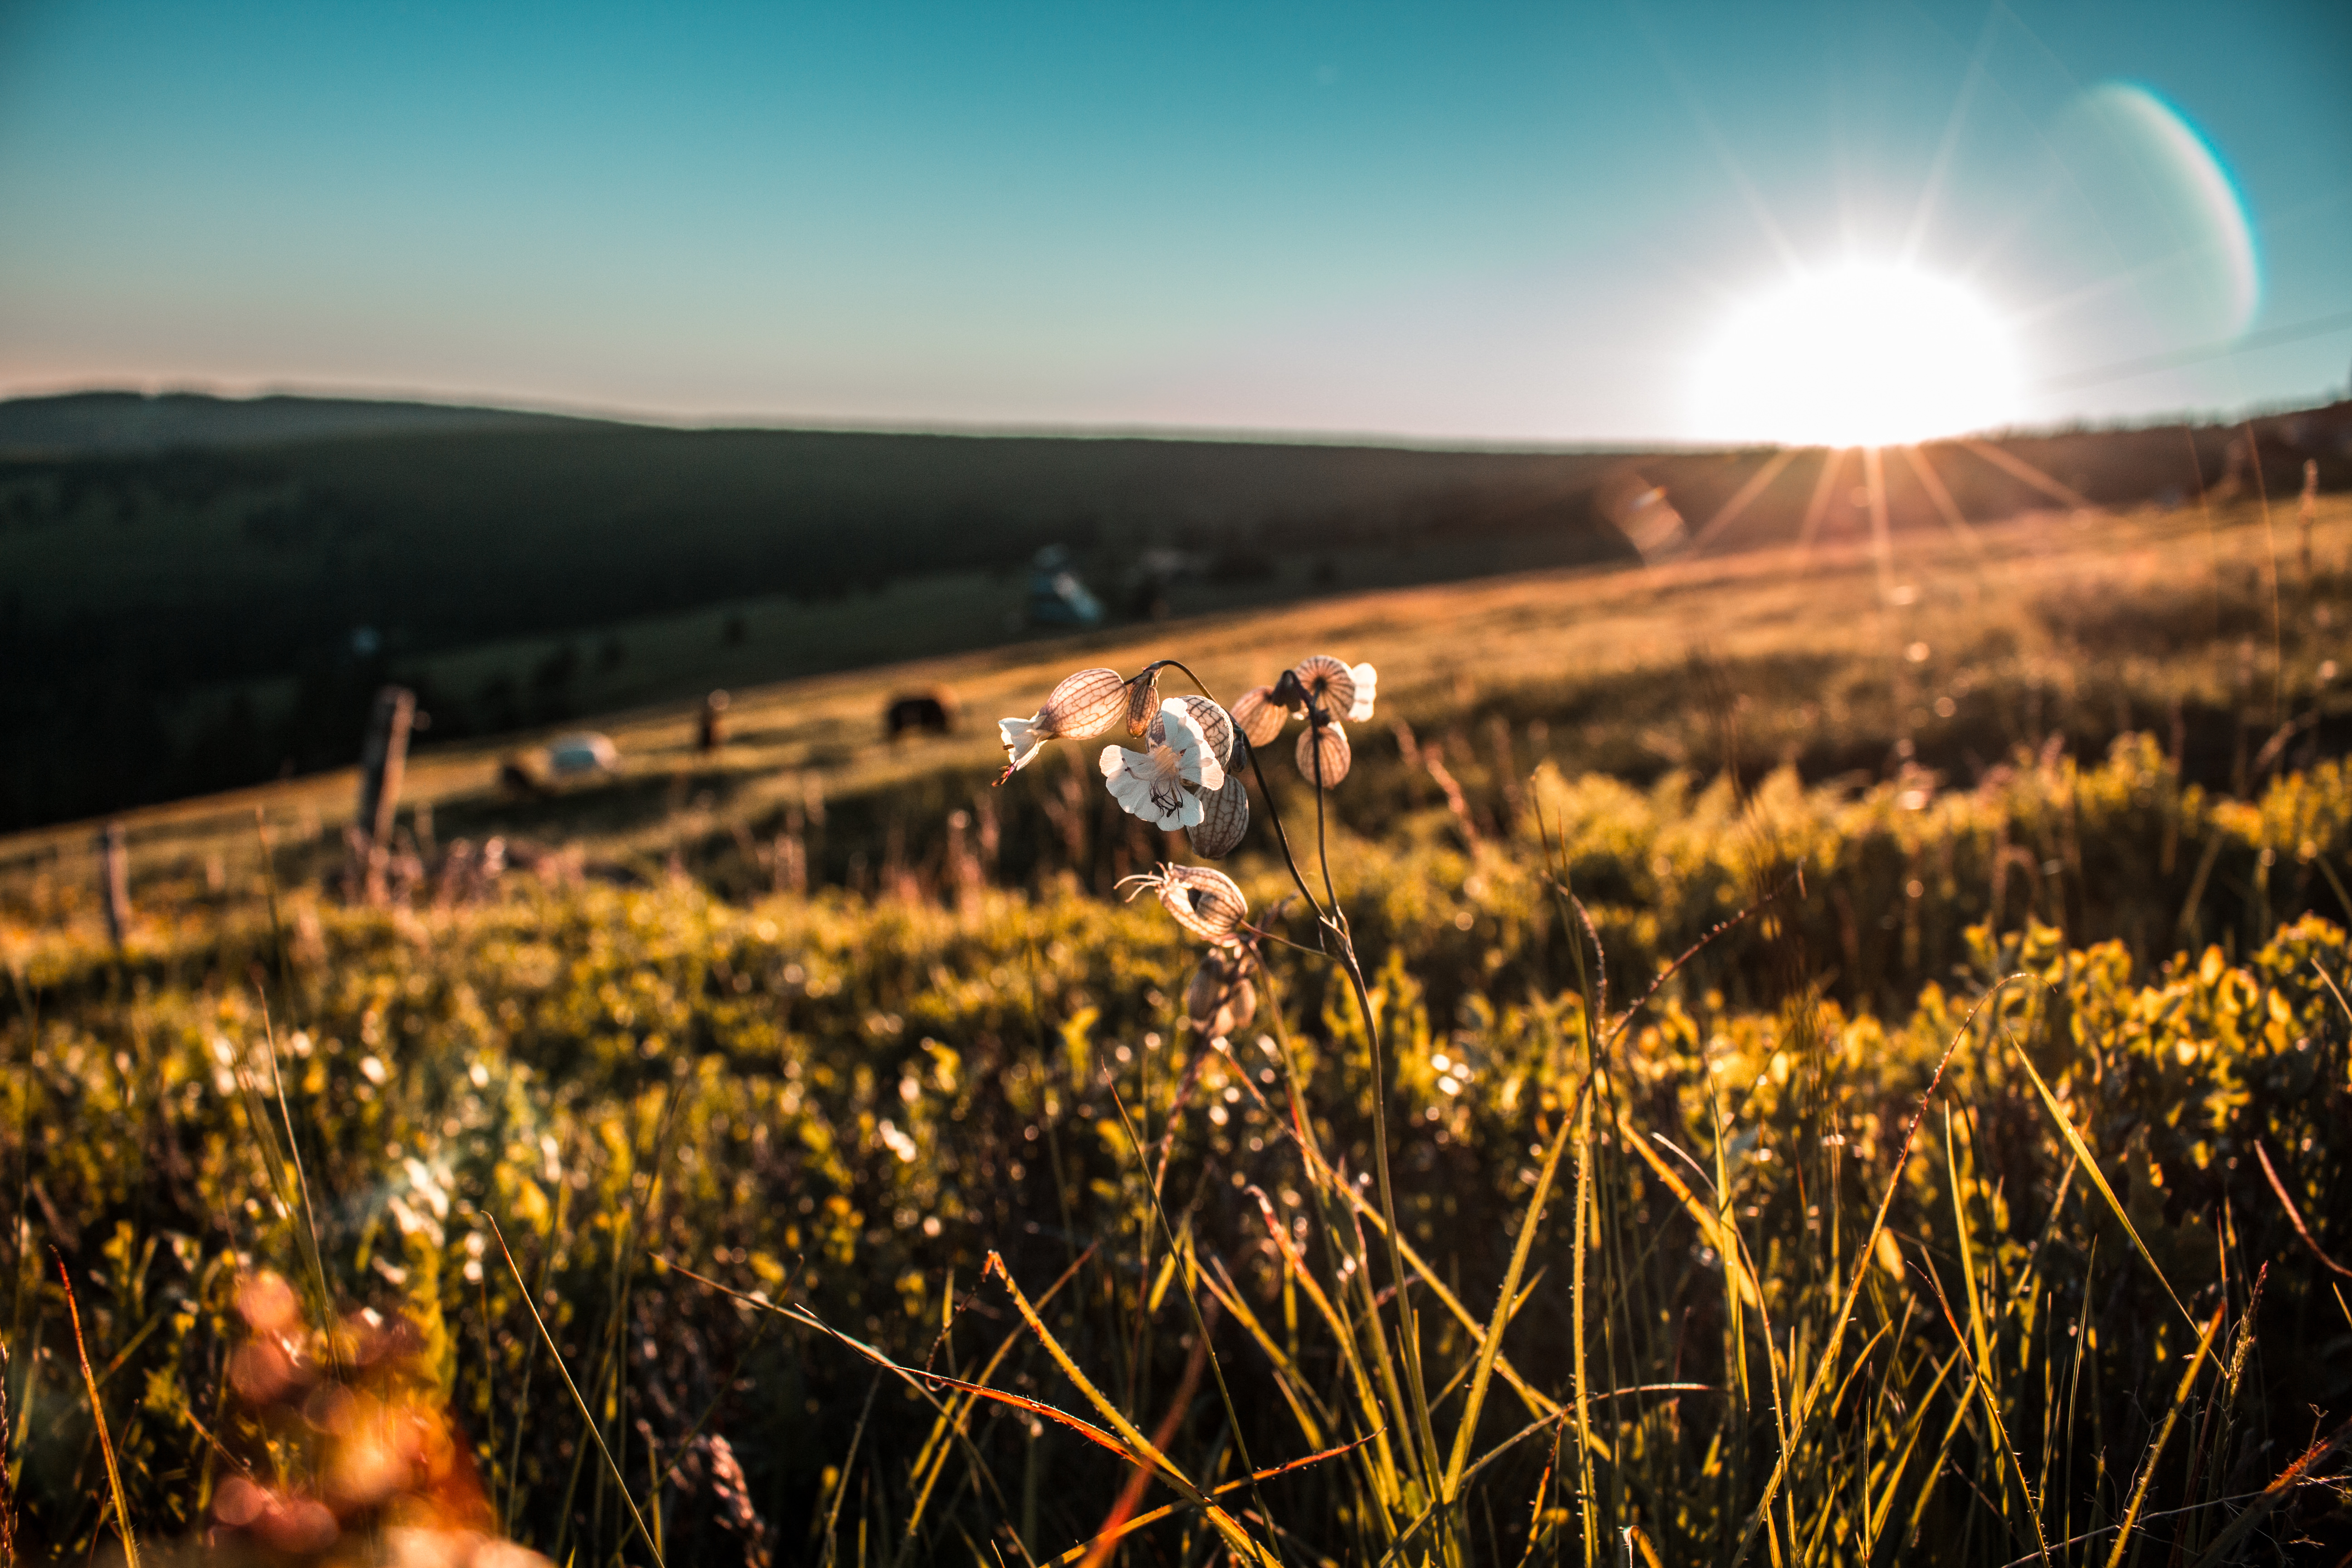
<point x="1864" y="1262"/>
<point x="1490" y="1343"/>
<point x="2295" y="1474"/>
<point x="98" y="1415"/>
<point x="1140" y="1448"/>
<point x="594" y="1429"/>
<point x="2164" y="1433"/>
<point x="2074" y="1141"/>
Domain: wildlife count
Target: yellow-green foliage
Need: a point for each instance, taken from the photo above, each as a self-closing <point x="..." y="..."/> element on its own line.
<point x="847" y="1104"/>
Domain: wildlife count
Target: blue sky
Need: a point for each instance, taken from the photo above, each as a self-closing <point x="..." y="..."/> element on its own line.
<point x="1461" y="222"/>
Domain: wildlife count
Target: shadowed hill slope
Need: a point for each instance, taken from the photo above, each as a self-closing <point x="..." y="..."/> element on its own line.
<point x="211" y="589"/>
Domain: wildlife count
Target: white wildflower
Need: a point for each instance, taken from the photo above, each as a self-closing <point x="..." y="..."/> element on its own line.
<point x="1367" y="678"/>
<point x="1160" y="785"/>
<point x="1216" y="728"/>
<point x="1082" y="706"/>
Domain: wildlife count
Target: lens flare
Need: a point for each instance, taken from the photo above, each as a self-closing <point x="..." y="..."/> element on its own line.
<point x="1862" y="356"/>
<point x="2168" y="210"/>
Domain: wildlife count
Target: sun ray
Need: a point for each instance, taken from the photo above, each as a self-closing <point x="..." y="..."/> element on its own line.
<point x="2115" y="282"/>
<point x="1933" y="188"/>
<point x="1728" y="512"/>
<point x="1933" y="483"/>
<point x="2018" y="468"/>
<point x="1695" y="107"/>
<point x="1881" y="542"/>
<point x="1833" y="461"/>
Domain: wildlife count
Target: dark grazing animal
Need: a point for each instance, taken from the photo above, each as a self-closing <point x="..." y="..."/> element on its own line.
<point x="932" y="712"/>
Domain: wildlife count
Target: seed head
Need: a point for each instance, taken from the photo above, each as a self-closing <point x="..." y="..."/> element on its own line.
<point x="1259" y="716"/>
<point x="1204" y="900"/>
<point x="1331" y="742"/>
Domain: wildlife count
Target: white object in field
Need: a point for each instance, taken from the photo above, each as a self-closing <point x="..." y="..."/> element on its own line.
<point x="583" y="753"/>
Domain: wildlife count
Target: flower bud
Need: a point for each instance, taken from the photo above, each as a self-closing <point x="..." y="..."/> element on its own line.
<point x="1323" y="754"/>
<point x="1259" y="716"/>
<point x="1221" y="999"/>
<point x="1142" y="701"/>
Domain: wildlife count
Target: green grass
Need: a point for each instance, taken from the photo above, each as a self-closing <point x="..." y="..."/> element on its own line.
<point x="1936" y="1226"/>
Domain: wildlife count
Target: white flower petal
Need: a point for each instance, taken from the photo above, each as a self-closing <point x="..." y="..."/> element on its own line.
<point x="1367" y="680"/>
<point x="1022" y="739"/>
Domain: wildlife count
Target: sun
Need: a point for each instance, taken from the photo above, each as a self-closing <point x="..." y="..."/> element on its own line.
<point x="1862" y="356"/>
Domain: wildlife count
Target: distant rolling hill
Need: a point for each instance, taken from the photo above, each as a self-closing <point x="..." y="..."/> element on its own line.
<point x="114" y="424"/>
<point x="198" y="593"/>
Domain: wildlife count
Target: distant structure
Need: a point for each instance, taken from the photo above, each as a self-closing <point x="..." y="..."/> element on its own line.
<point x="1155" y="571"/>
<point x="383" y="758"/>
<point x="114" y="882"/>
<point x="516" y="778"/>
<point x="1056" y="597"/>
<point x="710" y="732"/>
<point x="932" y="712"/>
<point x="569" y="756"/>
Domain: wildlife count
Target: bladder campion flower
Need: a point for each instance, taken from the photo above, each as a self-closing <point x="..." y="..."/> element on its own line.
<point x="1328" y="684"/>
<point x="1082" y="706"/>
<point x="1332" y="742"/>
<point x="1258" y="715"/>
<point x="1224" y="810"/>
<point x="1162" y="783"/>
<point x="1221" y="999"/>
<point x="1216" y="728"/>
<point x="1204" y="900"/>
<point x="1367" y="680"/>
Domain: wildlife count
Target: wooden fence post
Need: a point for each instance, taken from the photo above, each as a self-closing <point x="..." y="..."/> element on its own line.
<point x="114" y="881"/>
<point x="383" y="759"/>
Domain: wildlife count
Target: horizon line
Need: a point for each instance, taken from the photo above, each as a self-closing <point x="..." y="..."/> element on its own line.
<point x="1207" y="435"/>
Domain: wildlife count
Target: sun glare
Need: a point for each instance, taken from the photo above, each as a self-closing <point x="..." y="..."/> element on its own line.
<point x="1864" y="356"/>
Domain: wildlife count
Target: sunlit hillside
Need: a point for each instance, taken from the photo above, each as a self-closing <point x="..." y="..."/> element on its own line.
<point x="1871" y="1015"/>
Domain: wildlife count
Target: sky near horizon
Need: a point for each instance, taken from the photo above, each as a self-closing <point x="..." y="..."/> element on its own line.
<point x="1488" y="222"/>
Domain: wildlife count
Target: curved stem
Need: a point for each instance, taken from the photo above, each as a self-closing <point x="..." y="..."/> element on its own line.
<point x="1322" y="850"/>
<point x="1178" y="664"/>
<point x="1408" y="1326"/>
<point x="1282" y="835"/>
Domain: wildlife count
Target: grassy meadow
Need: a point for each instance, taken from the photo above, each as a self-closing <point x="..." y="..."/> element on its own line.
<point x="1820" y="1057"/>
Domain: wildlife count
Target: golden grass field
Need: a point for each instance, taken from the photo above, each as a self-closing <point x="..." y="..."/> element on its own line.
<point x="1544" y="639"/>
<point x="1828" y="1057"/>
